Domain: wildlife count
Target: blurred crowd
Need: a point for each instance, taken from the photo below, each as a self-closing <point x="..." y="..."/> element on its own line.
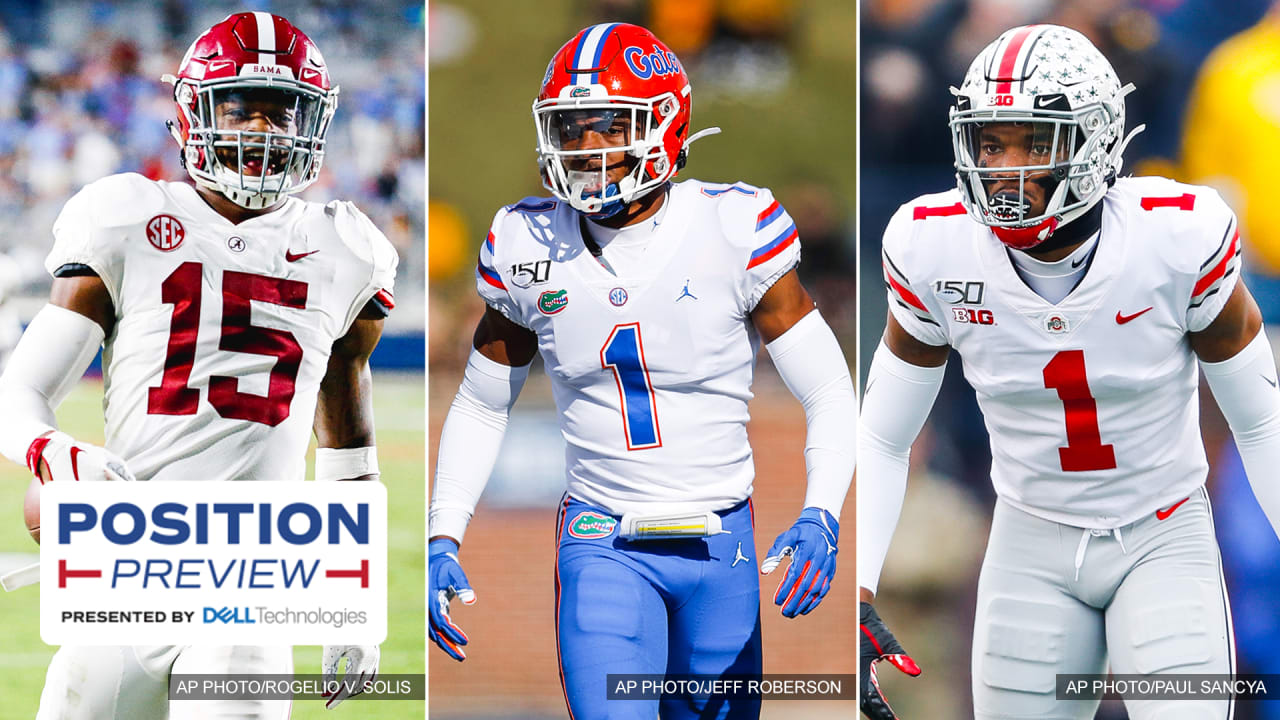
<point x="1207" y="77"/>
<point x="81" y="98"/>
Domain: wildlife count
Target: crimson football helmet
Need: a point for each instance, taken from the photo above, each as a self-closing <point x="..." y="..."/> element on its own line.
<point x="622" y="82"/>
<point x="253" y="64"/>
<point x="1060" y="89"/>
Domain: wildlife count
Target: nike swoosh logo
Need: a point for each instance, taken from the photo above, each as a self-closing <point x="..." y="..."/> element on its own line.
<point x="1270" y="382"/>
<point x="1081" y="261"/>
<point x="1164" y="514"/>
<point x="290" y="257"/>
<point x="1122" y="319"/>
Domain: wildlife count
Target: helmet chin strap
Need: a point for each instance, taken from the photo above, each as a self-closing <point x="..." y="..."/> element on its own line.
<point x="1059" y="235"/>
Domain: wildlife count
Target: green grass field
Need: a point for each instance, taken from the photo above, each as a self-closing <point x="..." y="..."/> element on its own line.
<point x="399" y="404"/>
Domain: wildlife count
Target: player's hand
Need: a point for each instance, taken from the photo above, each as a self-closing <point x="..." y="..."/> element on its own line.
<point x="877" y="644"/>
<point x="60" y="457"/>
<point x="447" y="581"/>
<point x="811" y="543"/>
<point x="362" y="667"/>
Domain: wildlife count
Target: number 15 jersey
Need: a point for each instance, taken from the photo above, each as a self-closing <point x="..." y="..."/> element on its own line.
<point x="223" y="331"/>
<point x="651" y="373"/>
<point x="1091" y="404"/>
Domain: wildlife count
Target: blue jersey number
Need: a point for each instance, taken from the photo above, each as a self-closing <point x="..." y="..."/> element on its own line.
<point x="623" y="353"/>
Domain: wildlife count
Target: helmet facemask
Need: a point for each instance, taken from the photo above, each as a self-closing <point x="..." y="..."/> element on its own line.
<point x="1006" y="159"/>
<point x="253" y="141"/>
<point x="584" y="177"/>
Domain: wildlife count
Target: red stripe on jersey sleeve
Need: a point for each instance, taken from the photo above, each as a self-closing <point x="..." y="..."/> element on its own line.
<point x="766" y="213"/>
<point x="1218" y="270"/>
<point x="904" y="293"/>
<point x="781" y="246"/>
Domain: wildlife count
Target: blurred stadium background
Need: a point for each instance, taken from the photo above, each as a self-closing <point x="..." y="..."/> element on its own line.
<point x="81" y="98"/>
<point x="1208" y="87"/>
<point x="777" y="76"/>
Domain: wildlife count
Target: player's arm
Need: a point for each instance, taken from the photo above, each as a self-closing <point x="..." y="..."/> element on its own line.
<point x="469" y="442"/>
<point x="810" y="362"/>
<point x="345" y="451"/>
<point x="344" y="408"/>
<point x="51" y="357"/>
<point x="1238" y="364"/>
<point x="903" y="382"/>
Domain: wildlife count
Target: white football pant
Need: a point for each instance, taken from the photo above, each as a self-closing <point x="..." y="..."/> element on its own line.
<point x="1056" y="599"/>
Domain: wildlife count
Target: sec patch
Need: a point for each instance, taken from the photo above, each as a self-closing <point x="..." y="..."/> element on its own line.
<point x="165" y="232"/>
<point x="591" y="525"/>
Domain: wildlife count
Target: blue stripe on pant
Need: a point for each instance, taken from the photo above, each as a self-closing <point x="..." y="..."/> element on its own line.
<point x="688" y="606"/>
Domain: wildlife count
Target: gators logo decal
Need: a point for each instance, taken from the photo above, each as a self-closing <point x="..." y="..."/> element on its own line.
<point x="553" y="301"/>
<point x="591" y="525"/>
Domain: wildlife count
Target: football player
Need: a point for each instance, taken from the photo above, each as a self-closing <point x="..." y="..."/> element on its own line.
<point x="1080" y="303"/>
<point x="234" y="319"/>
<point x="647" y="300"/>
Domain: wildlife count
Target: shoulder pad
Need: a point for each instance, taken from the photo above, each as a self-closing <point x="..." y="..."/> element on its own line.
<point x="1187" y="224"/>
<point x="533" y="205"/>
<point x="362" y="237"/>
<point x="118" y="200"/>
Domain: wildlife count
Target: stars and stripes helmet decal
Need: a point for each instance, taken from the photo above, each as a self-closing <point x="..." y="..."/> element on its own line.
<point x="1055" y="81"/>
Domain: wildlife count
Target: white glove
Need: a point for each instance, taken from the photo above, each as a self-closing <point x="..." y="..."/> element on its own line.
<point x="362" y="667"/>
<point x="67" y="459"/>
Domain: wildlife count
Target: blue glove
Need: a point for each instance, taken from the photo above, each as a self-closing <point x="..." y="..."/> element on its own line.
<point x="811" y="543"/>
<point x="447" y="581"/>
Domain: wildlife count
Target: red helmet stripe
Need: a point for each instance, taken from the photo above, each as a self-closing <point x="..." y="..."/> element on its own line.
<point x="1010" y="58"/>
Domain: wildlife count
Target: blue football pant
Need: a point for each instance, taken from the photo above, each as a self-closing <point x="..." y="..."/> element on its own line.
<point x="686" y="606"/>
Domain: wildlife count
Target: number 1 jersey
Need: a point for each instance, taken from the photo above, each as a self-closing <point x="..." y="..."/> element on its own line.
<point x="223" y="331"/>
<point x="1091" y="404"/>
<point x="651" y="373"/>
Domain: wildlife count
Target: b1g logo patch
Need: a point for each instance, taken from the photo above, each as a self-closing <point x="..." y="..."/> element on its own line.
<point x="591" y="525"/>
<point x="165" y="232"/>
<point x="973" y="317"/>
<point x="553" y="301"/>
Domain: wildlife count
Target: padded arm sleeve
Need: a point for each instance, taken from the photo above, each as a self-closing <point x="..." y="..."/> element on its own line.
<point x="895" y="405"/>
<point x="52" y="355"/>
<point x="1245" y="388"/>
<point x="811" y="364"/>
<point x="470" y="440"/>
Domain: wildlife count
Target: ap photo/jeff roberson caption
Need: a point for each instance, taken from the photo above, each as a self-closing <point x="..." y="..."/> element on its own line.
<point x="641" y="350"/>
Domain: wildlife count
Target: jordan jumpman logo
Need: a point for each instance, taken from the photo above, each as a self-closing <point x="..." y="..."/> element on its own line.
<point x="685" y="293"/>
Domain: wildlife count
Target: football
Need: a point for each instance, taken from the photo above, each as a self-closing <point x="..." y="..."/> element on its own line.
<point x="31" y="508"/>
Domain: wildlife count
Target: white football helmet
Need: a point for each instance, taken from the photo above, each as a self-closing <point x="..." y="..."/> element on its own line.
<point x="1055" y="81"/>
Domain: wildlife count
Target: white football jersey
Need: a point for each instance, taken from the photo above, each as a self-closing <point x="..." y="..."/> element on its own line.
<point x="1091" y="404"/>
<point x="652" y="373"/>
<point x="223" y="331"/>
